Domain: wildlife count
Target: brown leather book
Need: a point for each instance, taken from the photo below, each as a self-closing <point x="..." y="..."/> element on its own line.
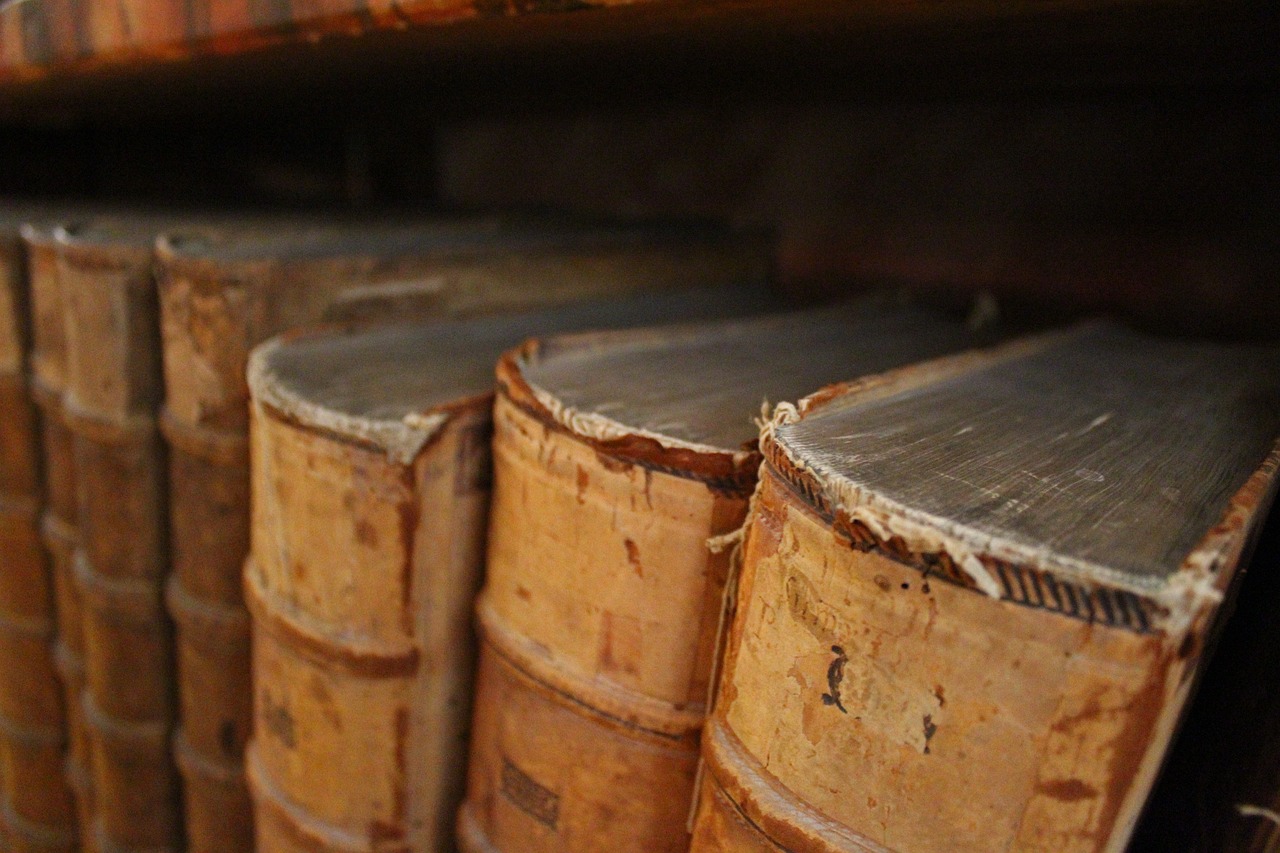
<point x="113" y="393"/>
<point x="371" y="491"/>
<point x="19" y="456"/>
<point x="975" y="594"/>
<point x="617" y="457"/>
<point x="222" y="293"/>
<point x="39" y="810"/>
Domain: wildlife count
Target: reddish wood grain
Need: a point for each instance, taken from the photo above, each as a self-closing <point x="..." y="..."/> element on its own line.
<point x="44" y="39"/>
<point x="39" y="38"/>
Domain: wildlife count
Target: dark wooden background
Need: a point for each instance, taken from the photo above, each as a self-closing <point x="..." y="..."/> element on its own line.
<point x="1095" y="155"/>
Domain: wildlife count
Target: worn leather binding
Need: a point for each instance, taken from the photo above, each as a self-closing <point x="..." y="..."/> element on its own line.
<point x="975" y="595"/>
<point x="616" y="458"/>
<point x="25" y="612"/>
<point x="39" y="811"/>
<point x="222" y="293"/>
<point x="371" y="488"/>
<point x="112" y="396"/>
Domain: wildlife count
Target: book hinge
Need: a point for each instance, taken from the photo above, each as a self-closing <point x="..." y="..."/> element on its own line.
<point x="733" y="541"/>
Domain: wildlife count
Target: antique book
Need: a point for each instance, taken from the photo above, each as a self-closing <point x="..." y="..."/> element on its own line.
<point x="110" y="406"/>
<point x="38" y="772"/>
<point x="370" y="495"/>
<point x="617" y="456"/>
<point x="36" y="811"/>
<point x="975" y="594"/>
<point x="223" y="292"/>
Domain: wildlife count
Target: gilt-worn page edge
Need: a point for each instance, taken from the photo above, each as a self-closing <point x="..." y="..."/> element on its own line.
<point x="658" y="449"/>
<point x="1197" y="586"/>
<point x="402" y="439"/>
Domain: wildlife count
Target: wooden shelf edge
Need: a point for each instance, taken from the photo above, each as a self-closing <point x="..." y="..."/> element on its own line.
<point x="58" y="40"/>
<point x="64" y="38"/>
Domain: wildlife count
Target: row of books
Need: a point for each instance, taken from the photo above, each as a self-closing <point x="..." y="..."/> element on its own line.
<point x="285" y="568"/>
<point x="139" y="332"/>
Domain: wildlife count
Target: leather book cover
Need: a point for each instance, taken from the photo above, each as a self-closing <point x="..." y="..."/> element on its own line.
<point x="371" y="489"/>
<point x="975" y="595"/>
<point x="112" y="396"/>
<point x="224" y="291"/>
<point x="618" y="457"/>
<point x="37" y="512"/>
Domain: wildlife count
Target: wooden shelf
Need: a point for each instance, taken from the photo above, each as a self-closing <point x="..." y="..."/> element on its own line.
<point x="1100" y="154"/>
<point x="82" y="54"/>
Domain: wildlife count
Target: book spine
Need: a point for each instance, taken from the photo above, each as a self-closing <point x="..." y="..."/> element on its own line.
<point x="32" y="733"/>
<point x="205" y="323"/>
<point x="38" y="803"/>
<point x="59" y="534"/>
<point x="35" y="800"/>
<point x="545" y="768"/>
<point x="215" y="654"/>
<point x="19" y="446"/>
<point x="122" y="556"/>
<point x="360" y="585"/>
<point x="598" y="620"/>
<point x="721" y="825"/>
<point x="209" y="533"/>
<point x="865" y="705"/>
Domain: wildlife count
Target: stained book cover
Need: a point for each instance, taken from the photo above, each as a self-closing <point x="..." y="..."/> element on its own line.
<point x="371" y="475"/>
<point x="224" y="291"/>
<point x="617" y="457"/>
<point x="975" y="595"/>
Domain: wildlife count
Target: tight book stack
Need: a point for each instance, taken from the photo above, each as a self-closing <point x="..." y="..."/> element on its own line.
<point x="617" y="456"/>
<point x="370" y="494"/>
<point x="303" y="549"/>
<point x="65" y="761"/>
<point x="975" y="595"/>
<point x="222" y="292"/>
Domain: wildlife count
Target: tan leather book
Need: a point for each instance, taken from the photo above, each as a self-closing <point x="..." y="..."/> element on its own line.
<point x="371" y="481"/>
<point x="39" y="810"/>
<point x="222" y="293"/>
<point x="975" y="594"/>
<point x="113" y="393"/>
<point x="617" y="457"/>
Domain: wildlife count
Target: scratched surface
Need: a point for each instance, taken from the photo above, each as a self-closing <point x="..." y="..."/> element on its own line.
<point x="706" y="386"/>
<point x="389" y="372"/>
<point x="1111" y="447"/>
